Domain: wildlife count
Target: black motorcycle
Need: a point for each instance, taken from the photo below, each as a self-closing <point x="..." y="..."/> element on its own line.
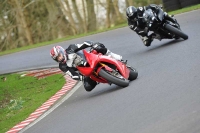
<point x="163" y="28"/>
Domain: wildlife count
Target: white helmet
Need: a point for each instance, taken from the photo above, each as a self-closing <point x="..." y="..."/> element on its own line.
<point x="57" y="51"/>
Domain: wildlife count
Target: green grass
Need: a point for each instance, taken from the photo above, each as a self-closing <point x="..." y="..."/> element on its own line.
<point x="187" y="9"/>
<point x="20" y="96"/>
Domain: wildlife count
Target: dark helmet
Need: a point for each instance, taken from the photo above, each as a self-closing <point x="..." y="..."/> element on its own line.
<point x="57" y="51"/>
<point x="131" y="12"/>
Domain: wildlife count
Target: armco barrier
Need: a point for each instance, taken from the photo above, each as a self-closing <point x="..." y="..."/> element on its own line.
<point x="170" y="5"/>
<point x="185" y="3"/>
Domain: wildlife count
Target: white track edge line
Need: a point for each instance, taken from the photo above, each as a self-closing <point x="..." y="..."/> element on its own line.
<point x="54" y="107"/>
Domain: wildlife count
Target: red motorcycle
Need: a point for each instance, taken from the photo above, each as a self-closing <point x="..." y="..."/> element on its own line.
<point x="104" y="69"/>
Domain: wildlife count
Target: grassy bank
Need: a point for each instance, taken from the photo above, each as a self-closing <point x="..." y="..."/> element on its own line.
<point x="82" y="35"/>
<point x="20" y="96"/>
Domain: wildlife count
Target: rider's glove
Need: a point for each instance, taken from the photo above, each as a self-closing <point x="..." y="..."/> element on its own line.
<point x="98" y="45"/>
<point x="95" y="45"/>
<point x="89" y="43"/>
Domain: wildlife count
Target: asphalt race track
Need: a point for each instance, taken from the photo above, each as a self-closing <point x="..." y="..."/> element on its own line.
<point x="164" y="99"/>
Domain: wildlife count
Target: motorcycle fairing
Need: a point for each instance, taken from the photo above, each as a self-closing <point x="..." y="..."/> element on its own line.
<point x="160" y="15"/>
<point x="93" y="60"/>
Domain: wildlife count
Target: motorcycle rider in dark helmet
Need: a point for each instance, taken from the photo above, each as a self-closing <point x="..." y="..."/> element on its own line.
<point x="134" y="18"/>
<point x="71" y="57"/>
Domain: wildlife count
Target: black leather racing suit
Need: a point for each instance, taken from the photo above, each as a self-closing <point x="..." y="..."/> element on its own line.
<point x="140" y="27"/>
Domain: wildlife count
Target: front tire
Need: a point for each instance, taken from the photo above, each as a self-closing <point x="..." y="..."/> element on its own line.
<point x="133" y="74"/>
<point x="176" y="31"/>
<point x="120" y="82"/>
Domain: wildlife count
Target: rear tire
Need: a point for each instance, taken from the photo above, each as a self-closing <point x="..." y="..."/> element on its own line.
<point x="112" y="79"/>
<point x="176" y="31"/>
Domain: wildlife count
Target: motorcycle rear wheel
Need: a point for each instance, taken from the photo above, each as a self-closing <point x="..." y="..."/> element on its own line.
<point x="120" y="82"/>
<point x="176" y="31"/>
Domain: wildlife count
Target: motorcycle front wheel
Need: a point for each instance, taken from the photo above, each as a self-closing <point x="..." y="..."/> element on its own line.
<point x="114" y="79"/>
<point x="176" y="31"/>
<point x="133" y="74"/>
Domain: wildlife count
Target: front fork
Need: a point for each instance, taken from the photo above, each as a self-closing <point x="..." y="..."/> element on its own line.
<point x="102" y="65"/>
<point x="96" y="72"/>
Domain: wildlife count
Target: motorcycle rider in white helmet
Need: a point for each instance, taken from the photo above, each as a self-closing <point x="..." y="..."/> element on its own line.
<point x="71" y="57"/>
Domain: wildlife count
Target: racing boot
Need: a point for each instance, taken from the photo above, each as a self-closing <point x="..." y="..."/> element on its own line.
<point x="148" y="39"/>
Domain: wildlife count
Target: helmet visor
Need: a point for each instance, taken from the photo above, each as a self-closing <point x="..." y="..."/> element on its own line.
<point x="61" y="56"/>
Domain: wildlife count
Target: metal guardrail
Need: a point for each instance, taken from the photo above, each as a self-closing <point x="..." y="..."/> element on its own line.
<point x="170" y="5"/>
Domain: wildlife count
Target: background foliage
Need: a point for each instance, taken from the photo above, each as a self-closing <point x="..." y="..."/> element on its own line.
<point x="27" y="22"/>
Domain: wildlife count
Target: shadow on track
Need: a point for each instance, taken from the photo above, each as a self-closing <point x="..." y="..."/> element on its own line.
<point x="107" y="90"/>
<point x="165" y="44"/>
<point x="155" y="46"/>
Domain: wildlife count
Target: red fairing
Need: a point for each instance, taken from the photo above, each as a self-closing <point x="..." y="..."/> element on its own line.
<point x="96" y="59"/>
<point x="120" y="66"/>
<point x="92" y="60"/>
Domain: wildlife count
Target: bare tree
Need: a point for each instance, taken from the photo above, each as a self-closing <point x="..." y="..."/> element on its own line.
<point x="5" y="26"/>
<point x="108" y="22"/>
<point x="57" y="24"/>
<point x="84" y="16"/>
<point x="119" y="15"/>
<point x="91" y="15"/>
<point x="22" y="21"/>
<point x="81" y="24"/>
<point x="51" y="30"/>
<point x="67" y="11"/>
